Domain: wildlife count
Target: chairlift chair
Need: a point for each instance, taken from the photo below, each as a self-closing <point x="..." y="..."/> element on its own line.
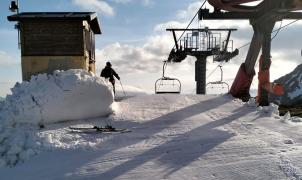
<point x="220" y="82"/>
<point x="167" y="85"/>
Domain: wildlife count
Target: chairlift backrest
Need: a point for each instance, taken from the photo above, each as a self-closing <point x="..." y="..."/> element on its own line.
<point x="167" y="85"/>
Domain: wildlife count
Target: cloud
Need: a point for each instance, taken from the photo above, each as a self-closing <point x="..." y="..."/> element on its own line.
<point x="122" y="1"/>
<point x="189" y="12"/>
<point x="5" y="88"/>
<point x="8" y="60"/>
<point x="147" y="58"/>
<point x="134" y="59"/>
<point x="95" y="5"/>
<point x="147" y="2"/>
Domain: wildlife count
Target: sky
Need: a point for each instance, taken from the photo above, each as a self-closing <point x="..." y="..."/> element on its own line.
<point x="135" y="41"/>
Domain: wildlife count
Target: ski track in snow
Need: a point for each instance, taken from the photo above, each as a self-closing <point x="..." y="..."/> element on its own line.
<point x="173" y="137"/>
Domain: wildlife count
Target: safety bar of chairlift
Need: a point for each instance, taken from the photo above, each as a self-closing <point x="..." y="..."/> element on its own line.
<point x="167" y="92"/>
<point x="219" y="82"/>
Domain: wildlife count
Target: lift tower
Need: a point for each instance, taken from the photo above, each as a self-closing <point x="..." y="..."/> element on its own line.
<point x="262" y="17"/>
<point x="202" y="43"/>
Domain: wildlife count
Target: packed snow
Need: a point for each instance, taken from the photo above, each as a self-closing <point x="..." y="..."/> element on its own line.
<point x="173" y="137"/>
<point x="63" y="96"/>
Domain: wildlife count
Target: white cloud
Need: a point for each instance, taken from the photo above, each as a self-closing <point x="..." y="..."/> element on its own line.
<point x="8" y="60"/>
<point x="189" y="12"/>
<point x="171" y="24"/>
<point x="147" y="2"/>
<point x="122" y="1"/>
<point x="133" y="59"/>
<point x="5" y="88"/>
<point x="147" y="59"/>
<point x="95" y="5"/>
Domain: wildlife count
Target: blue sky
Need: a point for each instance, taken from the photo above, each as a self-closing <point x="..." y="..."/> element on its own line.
<point x="134" y="39"/>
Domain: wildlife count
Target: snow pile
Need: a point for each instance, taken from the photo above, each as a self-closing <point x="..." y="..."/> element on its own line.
<point x="272" y="111"/>
<point x="65" y="95"/>
<point x="17" y="144"/>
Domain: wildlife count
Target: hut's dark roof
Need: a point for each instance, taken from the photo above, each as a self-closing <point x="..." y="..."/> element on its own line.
<point x="91" y="17"/>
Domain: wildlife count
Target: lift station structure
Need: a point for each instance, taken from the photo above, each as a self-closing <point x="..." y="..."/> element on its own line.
<point x="202" y="43"/>
<point x="262" y="16"/>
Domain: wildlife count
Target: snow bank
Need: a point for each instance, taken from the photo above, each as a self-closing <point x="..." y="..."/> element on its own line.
<point x="272" y="110"/>
<point x="63" y="96"/>
<point x="17" y="144"/>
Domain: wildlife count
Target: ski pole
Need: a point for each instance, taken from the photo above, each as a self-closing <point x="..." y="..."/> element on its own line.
<point x="122" y="87"/>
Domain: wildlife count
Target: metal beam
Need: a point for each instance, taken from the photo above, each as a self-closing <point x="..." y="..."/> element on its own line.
<point x="175" y="40"/>
<point x="227" y="41"/>
<point x="201" y="30"/>
<point x="216" y="15"/>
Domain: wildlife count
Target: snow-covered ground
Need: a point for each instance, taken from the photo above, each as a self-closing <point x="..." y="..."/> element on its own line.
<point x="173" y="137"/>
<point x="46" y="99"/>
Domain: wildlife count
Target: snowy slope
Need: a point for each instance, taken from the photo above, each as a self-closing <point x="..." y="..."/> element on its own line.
<point x="173" y="137"/>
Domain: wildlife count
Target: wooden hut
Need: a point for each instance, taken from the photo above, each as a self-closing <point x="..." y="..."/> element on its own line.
<point x="56" y="41"/>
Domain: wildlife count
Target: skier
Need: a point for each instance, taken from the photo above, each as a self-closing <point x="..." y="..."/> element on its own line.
<point x="108" y="72"/>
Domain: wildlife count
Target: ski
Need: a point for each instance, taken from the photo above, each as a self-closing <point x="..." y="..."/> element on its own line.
<point x="107" y="129"/>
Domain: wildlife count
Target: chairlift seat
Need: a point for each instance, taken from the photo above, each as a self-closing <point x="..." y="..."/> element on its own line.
<point x="162" y="88"/>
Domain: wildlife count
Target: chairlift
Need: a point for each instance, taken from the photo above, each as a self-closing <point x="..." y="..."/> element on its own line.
<point x="223" y="84"/>
<point x="167" y="85"/>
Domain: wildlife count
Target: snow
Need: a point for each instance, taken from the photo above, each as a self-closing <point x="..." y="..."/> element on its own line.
<point x="173" y="137"/>
<point x="128" y="91"/>
<point x="63" y="96"/>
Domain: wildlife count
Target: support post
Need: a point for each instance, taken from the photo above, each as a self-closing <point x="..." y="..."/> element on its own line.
<point x="253" y="51"/>
<point x="265" y="63"/>
<point x="175" y="40"/>
<point x="200" y="74"/>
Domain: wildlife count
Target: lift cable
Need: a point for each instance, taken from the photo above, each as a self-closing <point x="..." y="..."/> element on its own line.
<point x="190" y="22"/>
<point x="208" y="76"/>
<point x="277" y="30"/>
<point x="165" y="65"/>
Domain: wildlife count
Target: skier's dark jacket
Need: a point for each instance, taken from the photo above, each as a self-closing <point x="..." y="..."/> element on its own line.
<point x="108" y="72"/>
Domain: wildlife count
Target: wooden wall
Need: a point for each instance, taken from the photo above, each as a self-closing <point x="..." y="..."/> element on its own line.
<point x="33" y="65"/>
<point x="52" y="38"/>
